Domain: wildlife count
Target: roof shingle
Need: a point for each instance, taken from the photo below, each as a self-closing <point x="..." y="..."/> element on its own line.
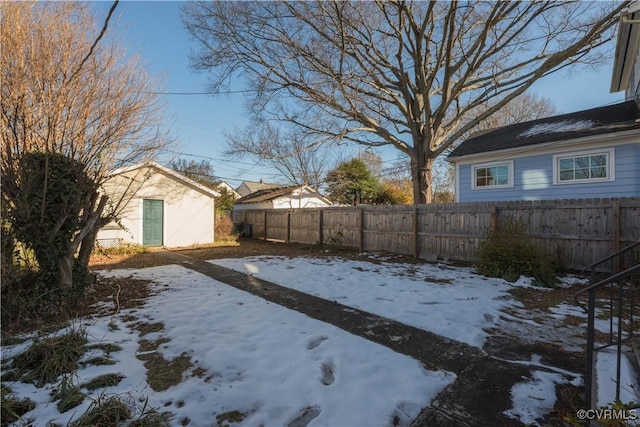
<point x="596" y="121"/>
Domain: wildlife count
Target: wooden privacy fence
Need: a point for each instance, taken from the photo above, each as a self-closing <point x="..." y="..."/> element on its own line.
<point x="576" y="232"/>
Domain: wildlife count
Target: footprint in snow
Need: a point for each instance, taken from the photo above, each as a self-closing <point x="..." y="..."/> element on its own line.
<point x="307" y="415"/>
<point x="327" y="373"/>
<point x="315" y="342"/>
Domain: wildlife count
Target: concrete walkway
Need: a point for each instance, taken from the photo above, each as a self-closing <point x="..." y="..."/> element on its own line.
<point x="482" y="389"/>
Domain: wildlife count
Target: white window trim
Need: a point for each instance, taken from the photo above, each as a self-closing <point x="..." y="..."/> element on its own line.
<point x="611" y="166"/>
<point x="508" y="163"/>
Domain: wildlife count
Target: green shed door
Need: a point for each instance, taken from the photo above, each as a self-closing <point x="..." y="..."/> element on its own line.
<point x="152" y="222"/>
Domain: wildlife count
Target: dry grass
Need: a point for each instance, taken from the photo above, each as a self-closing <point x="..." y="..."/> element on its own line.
<point x="12" y="409"/>
<point x="104" y="412"/>
<point x="49" y="358"/>
<point x="161" y="373"/>
<point x="103" y="381"/>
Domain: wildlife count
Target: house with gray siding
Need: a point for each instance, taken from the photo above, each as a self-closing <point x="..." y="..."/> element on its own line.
<point x="586" y="154"/>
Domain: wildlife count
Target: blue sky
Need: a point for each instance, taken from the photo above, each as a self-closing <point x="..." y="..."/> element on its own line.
<point x="198" y="122"/>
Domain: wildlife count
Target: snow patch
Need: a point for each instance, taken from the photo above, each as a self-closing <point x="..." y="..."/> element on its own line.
<point x="534" y="398"/>
<point x="557" y="127"/>
<point x="606" y="374"/>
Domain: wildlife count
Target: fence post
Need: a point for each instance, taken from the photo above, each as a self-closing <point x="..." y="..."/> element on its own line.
<point x="320" y="215"/>
<point x="416" y="251"/>
<point x="288" y="226"/>
<point x="361" y="242"/>
<point x="615" y="236"/>
<point x="494" y="218"/>
<point x="265" y="225"/>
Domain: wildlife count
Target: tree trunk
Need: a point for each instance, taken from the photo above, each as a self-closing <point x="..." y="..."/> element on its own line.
<point x="421" y="175"/>
<point x="65" y="269"/>
<point x="86" y="247"/>
<point x="85" y="240"/>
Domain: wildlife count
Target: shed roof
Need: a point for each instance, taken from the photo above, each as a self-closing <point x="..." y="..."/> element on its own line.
<point x="170" y="173"/>
<point x="596" y="121"/>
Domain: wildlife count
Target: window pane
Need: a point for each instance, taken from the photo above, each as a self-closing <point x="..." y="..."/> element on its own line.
<point x="599" y="166"/>
<point x="566" y="175"/>
<point x="582" y="173"/>
<point x="566" y="164"/>
<point x="598" y="171"/>
<point x="503" y="175"/>
<point x="582" y="162"/>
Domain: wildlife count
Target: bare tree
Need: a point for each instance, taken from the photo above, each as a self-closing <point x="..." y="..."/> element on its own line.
<point x="525" y="107"/>
<point x="296" y="158"/>
<point x="400" y="73"/>
<point x="201" y="171"/>
<point x="65" y="94"/>
<point x="522" y="108"/>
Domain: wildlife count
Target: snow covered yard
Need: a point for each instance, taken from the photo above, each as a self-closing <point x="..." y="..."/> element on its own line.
<point x="251" y="362"/>
<point x="248" y="356"/>
<point x="450" y="301"/>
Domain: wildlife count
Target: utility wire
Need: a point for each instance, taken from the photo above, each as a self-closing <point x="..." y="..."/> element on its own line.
<point x="97" y="40"/>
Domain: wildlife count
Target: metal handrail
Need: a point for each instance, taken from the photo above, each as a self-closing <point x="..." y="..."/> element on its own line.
<point x="611" y="279"/>
<point x="619" y="280"/>
<point x="611" y="256"/>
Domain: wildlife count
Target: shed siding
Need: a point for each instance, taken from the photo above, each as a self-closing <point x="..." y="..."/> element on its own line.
<point x="188" y="213"/>
<point x="533" y="179"/>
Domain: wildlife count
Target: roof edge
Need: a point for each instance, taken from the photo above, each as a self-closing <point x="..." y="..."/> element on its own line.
<point x="176" y="175"/>
<point x="615" y="138"/>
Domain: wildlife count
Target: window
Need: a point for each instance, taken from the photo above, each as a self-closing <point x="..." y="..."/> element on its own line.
<point x="493" y="175"/>
<point x="585" y="166"/>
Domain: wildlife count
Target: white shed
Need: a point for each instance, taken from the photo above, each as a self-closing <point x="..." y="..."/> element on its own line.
<point x="159" y="207"/>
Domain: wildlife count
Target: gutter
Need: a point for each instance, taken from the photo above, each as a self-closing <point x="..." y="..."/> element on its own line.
<point x="626" y="47"/>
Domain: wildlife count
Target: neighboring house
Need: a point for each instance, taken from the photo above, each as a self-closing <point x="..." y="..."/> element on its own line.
<point x="161" y="207"/>
<point x="591" y="153"/>
<point x="224" y="186"/>
<point x="297" y="196"/>
<point x="248" y="187"/>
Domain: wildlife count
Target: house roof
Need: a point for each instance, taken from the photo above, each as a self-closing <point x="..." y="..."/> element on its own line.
<point x="230" y="189"/>
<point x="254" y="186"/>
<point x="169" y="172"/>
<point x="268" y="194"/>
<point x="596" y="121"/>
<point x="626" y="46"/>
